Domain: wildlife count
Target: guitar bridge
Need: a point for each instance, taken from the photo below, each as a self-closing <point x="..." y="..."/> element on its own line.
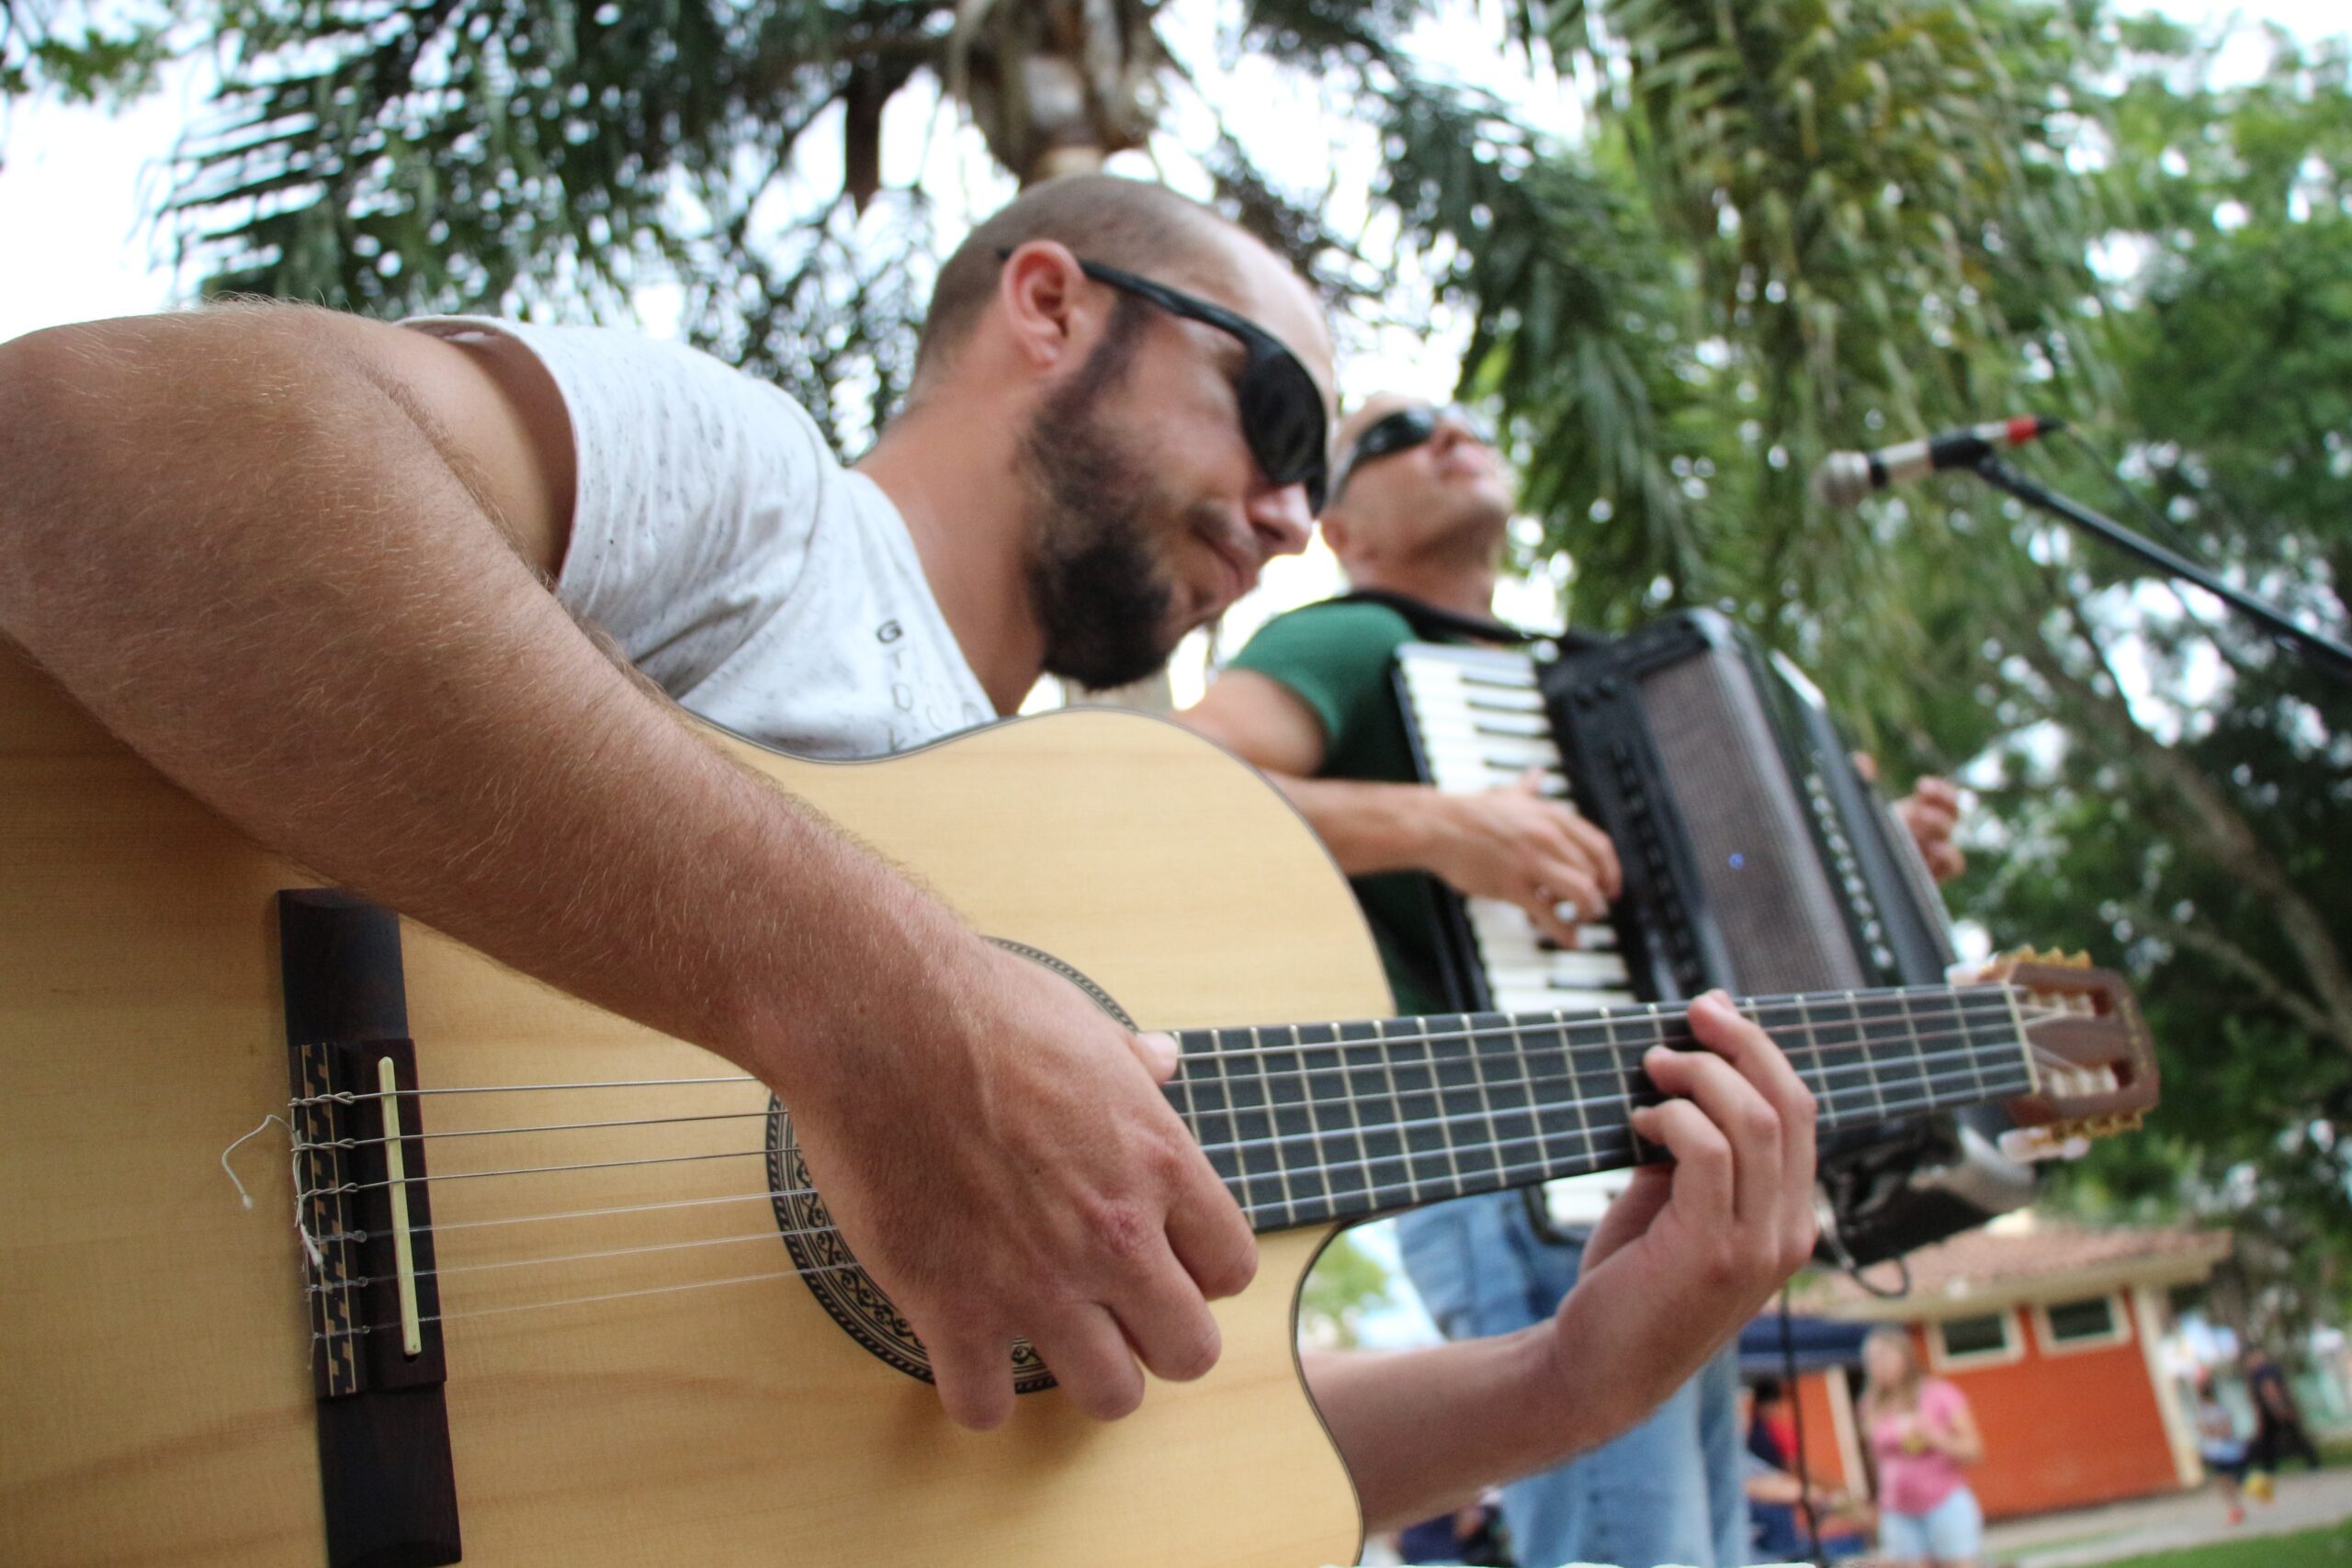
<point x="385" y="1468"/>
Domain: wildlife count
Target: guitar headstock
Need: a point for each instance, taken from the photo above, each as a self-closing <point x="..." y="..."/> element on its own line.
<point x="2094" y="1064"/>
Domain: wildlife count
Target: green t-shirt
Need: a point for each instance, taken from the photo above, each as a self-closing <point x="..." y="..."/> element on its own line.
<point x="1338" y="657"/>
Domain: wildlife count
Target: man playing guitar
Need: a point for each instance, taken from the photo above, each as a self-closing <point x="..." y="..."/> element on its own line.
<point x="302" y="563"/>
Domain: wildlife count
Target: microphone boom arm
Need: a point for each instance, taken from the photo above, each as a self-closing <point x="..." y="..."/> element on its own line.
<point x="2322" y="652"/>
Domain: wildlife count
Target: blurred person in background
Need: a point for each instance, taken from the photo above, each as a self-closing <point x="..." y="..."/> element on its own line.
<point x="1921" y="1436"/>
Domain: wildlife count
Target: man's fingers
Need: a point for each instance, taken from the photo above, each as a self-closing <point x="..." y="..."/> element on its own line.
<point x="1721" y="1026"/>
<point x="1559" y="899"/>
<point x="1567" y="883"/>
<point x="973" y="1375"/>
<point x="1169" y="1325"/>
<point x="1929" y="820"/>
<point x="1630" y="1213"/>
<point x="1597" y="851"/>
<point x="1702" y="1182"/>
<point x="1210" y="1237"/>
<point x="1091" y="1359"/>
<point x="1553" y="917"/>
<point x="1739" y="1110"/>
<point x="1158" y="1053"/>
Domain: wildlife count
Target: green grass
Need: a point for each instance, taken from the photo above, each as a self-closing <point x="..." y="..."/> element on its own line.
<point x="2327" y="1546"/>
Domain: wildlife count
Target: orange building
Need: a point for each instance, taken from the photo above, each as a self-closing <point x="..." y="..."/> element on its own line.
<point x="2052" y="1333"/>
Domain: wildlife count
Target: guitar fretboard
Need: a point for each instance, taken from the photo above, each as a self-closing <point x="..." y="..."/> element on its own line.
<point x="1314" y="1123"/>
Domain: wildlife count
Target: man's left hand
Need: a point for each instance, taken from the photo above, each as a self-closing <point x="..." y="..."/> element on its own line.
<point x="1690" y="1252"/>
<point x="1931" y="811"/>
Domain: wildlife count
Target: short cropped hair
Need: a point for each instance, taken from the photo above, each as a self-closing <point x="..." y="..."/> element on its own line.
<point x="1130" y="224"/>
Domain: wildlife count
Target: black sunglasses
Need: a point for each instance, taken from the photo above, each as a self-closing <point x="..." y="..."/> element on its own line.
<point x="1282" y="409"/>
<point x="1401" y="431"/>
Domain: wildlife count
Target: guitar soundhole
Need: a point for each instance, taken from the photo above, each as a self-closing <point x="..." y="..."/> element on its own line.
<point x="832" y="1271"/>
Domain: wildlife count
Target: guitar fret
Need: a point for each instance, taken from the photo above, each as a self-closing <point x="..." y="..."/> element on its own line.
<point x="1444" y="1125"/>
<point x="1617" y="1075"/>
<point x="1190" y="1110"/>
<point x="1273" y="1144"/>
<point x="1870" y="1057"/>
<point x="1486" y="1097"/>
<point x="1919" y="1042"/>
<point x="1531" y="1105"/>
<point x="1312" y="1104"/>
<point x="1574" y="1096"/>
<point x="1818" y="1082"/>
<point x="1355" y="1114"/>
<point x="1344" y="1179"/>
<point x="1451" y="1047"/>
<point x="1968" y="1039"/>
<point x="1396" y="1112"/>
<point x="1233" y="1125"/>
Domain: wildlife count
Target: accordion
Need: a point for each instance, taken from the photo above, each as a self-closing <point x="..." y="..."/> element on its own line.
<point x="1755" y="856"/>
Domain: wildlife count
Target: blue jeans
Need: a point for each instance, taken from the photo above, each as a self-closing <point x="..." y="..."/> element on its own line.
<point x="1951" y="1531"/>
<point x="1666" y="1491"/>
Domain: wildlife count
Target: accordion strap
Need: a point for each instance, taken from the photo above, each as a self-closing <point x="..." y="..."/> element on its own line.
<point x="1434" y="623"/>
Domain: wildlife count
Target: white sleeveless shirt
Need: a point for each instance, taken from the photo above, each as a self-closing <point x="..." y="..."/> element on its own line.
<point x="734" y="561"/>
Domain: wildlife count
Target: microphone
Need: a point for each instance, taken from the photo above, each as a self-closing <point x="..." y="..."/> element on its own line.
<point x="1843" y="479"/>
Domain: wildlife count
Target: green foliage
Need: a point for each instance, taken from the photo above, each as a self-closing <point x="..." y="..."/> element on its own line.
<point x="2194" y="831"/>
<point x="86" y="59"/>
<point x="1346" y="1283"/>
<point x="1872" y="233"/>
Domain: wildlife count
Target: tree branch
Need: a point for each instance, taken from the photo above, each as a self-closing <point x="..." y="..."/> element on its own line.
<point x="2239" y="962"/>
<point x="2218" y="829"/>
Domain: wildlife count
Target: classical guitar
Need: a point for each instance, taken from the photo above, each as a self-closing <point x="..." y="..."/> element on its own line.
<point x="525" y="1283"/>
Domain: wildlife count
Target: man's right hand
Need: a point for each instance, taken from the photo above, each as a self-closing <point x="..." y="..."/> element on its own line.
<point x="1003" y="1161"/>
<point x="1514" y="844"/>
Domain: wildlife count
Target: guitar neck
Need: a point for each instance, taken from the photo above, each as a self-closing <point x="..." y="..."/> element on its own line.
<point x="1309" y="1123"/>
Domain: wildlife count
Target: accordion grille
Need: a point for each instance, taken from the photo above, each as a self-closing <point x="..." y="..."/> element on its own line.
<point x="1783" y="921"/>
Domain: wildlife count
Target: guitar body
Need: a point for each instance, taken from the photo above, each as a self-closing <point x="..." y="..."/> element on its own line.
<point x="157" y="1404"/>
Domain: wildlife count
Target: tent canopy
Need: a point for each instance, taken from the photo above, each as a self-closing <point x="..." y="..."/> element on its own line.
<point x="1819" y="1342"/>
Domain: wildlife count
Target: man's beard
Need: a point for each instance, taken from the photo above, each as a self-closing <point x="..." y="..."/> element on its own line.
<point x="1097" y="590"/>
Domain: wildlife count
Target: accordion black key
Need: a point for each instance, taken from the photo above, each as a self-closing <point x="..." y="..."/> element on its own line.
<point x="1755" y="858"/>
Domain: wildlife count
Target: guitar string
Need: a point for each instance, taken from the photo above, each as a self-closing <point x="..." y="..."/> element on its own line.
<point x="1586" y="1144"/>
<point x="1254" y="1211"/>
<point x="1589" y="1136"/>
<point x="2000" y="1050"/>
<point x="1266" y="1210"/>
<point x="1968" y="1022"/>
<point x="1835" y="1099"/>
<point x="1576" y="1056"/>
<point x="1799" y="1005"/>
<point x="773" y="1234"/>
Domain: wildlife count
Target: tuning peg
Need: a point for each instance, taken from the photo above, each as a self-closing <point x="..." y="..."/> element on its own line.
<point x="2060" y="1140"/>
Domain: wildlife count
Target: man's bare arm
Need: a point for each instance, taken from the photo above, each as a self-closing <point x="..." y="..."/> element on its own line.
<point x="283" y="554"/>
<point x="1504" y="844"/>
